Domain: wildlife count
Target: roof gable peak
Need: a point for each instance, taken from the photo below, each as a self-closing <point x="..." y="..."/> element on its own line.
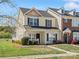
<point x="34" y="10"/>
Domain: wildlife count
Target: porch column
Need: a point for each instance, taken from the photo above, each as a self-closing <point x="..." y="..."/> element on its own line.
<point x="42" y="38"/>
<point x="45" y="37"/>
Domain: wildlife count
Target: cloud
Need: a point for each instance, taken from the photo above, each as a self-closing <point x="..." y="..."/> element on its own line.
<point x="71" y="5"/>
<point x="71" y="0"/>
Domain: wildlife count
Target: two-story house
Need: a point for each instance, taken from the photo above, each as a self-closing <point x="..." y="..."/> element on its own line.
<point x="39" y="25"/>
<point x="68" y="22"/>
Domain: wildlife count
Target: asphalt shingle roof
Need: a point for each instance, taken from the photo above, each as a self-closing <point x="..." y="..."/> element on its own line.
<point x="45" y="13"/>
<point x="66" y="12"/>
<point x="42" y="12"/>
<point x="24" y="10"/>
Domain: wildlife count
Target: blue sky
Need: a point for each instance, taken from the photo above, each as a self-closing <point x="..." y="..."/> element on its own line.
<point x="39" y="4"/>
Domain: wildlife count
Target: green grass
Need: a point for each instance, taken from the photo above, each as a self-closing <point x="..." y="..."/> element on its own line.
<point x="7" y="48"/>
<point x="68" y="47"/>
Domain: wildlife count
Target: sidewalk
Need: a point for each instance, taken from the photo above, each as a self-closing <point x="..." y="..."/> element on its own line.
<point x="40" y="56"/>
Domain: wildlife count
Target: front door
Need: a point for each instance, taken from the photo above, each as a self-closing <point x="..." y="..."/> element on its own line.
<point x="65" y="38"/>
<point x="38" y="37"/>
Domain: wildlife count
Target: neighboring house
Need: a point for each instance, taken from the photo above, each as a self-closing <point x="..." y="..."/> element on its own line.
<point x="68" y="22"/>
<point x="39" y="25"/>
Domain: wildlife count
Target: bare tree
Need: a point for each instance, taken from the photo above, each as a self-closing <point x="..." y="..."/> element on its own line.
<point x="9" y="2"/>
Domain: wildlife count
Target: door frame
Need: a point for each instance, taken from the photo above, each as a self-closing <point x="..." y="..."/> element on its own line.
<point x="66" y="40"/>
<point x="38" y="36"/>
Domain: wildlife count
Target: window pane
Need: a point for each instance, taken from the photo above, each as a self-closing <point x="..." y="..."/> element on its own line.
<point x="30" y="21"/>
<point x="76" y="35"/>
<point x="65" y="20"/>
<point x="75" y="22"/>
<point x="48" y="23"/>
<point x="33" y="21"/>
<point x="36" y="22"/>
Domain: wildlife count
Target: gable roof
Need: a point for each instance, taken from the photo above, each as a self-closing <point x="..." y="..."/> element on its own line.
<point x="45" y="13"/>
<point x="24" y="10"/>
<point x="66" y="12"/>
<point x="67" y="30"/>
<point x="42" y="12"/>
<point x="54" y="9"/>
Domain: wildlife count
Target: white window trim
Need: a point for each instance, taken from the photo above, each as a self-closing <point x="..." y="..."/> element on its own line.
<point x="48" y="20"/>
<point x="33" y="19"/>
<point x="75" y="23"/>
<point x="75" y="34"/>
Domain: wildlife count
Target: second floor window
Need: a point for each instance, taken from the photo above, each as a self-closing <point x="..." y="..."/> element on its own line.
<point x="67" y="20"/>
<point x="48" y="23"/>
<point x="33" y="21"/>
<point x="75" y="23"/>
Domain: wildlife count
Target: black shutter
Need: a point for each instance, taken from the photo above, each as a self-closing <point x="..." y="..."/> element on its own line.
<point x="56" y="36"/>
<point x="47" y="37"/>
<point x="46" y="23"/>
<point x="37" y="22"/>
<point x="50" y="23"/>
<point x="28" y="21"/>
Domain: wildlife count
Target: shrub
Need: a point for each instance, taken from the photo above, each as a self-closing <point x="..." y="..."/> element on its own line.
<point x="31" y="42"/>
<point x="25" y="40"/>
<point x="13" y="41"/>
<point x="18" y="41"/>
<point x="70" y="40"/>
<point x="74" y="41"/>
<point x="5" y="34"/>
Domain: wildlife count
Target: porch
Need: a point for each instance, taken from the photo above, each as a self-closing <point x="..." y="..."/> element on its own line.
<point x="42" y="36"/>
<point x="70" y="35"/>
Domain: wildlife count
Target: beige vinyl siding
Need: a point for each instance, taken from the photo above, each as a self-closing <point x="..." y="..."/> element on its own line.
<point x="42" y="21"/>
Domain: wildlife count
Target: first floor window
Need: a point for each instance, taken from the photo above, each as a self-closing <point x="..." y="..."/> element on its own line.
<point x="51" y="36"/>
<point x="76" y="35"/>
<point x="32" y="36"/>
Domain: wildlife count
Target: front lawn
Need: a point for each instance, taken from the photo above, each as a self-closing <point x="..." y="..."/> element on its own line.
<point x="7" y="48"/>
<point x="68" y="47"/>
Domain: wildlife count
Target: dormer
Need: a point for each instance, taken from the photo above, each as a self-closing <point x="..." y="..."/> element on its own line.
<point x="61" y="10"/>
<point x="72" y="12"/>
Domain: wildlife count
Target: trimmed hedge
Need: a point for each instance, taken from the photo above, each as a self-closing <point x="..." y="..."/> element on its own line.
<point x="25" y="41"/>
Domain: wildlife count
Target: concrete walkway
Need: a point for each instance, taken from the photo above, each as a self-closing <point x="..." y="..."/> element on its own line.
<point x="40" y="56"/>
<point x="52" y="47"/>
